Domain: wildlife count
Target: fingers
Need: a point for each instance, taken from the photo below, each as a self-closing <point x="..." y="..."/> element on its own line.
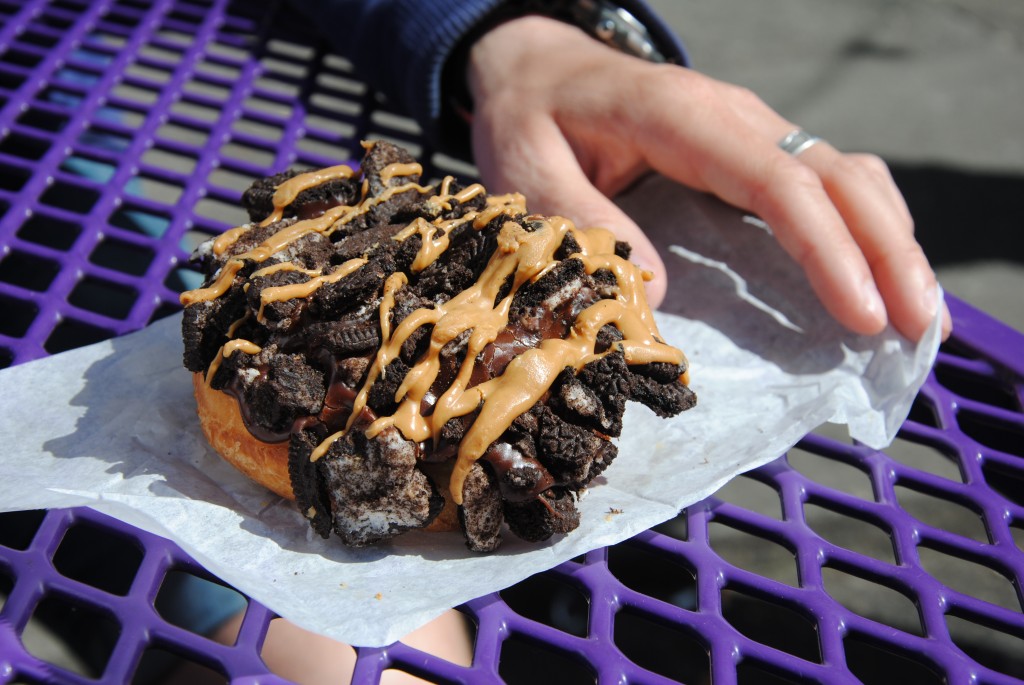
<point x="730" y="158"/>
<point x="808" y="225"/>
<point x="869" y="202"/>
<point x="559" y="186"/>
<point x="841" y="217"/>
<point x="586" y="112"/>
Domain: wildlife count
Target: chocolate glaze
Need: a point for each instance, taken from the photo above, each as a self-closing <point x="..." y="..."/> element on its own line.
<point x="312" y="210"/>
<point x="339" y="399"/>
<point x="235" y="389"/>
<point x="505" y="459"/>
<point x="532" y="328"/>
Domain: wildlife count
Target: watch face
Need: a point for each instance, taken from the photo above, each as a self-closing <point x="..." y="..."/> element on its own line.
<point x="617" y="27"/>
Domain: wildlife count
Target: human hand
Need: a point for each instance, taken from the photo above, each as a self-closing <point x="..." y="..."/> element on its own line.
<point x="569" y="122"/>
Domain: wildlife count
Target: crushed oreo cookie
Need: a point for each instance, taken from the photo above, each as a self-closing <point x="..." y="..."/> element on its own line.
<point x="339" y="298"/>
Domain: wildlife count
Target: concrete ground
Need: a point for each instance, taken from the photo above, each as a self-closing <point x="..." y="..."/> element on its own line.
<point x="935" y="87"/>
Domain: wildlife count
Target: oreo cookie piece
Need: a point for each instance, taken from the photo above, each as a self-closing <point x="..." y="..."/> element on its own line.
<point x="258" y="200"/>
<point x="374" y="487"/>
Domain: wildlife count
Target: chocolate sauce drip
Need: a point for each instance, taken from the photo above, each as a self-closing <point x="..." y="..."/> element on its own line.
<point x="340" y="397"/>
<point x="235" y="389"/>
<point x="520" y="478"/>
<point x="312" y="210"/>
<point x="534" y="325"/>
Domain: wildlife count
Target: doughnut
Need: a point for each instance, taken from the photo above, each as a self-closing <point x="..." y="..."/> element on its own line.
<point x="397" y="355"/>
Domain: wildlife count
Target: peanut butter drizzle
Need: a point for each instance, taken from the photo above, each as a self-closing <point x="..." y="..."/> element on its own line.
<point x="512" y="204"/>
<point x="229" y="238"/>
<point x="261" y="253"/>
<point x="228" y="349"/>
<point x="444" y="197"/>
<point x="220" y="285"/>
<point x="324" y="224"/>
<point x="434" y="235"/>
<point x="524" y="255"/>
<point x="393" y="284"/>
<point x="446" y="184"/>
<point x="400" y="169"/>
<point x="282" y="266"/>
<point x="286" y="193"/>
<point x="233" y="328"/>
<point x="292" y="291"/>
<point x="433" y="239"/>
<point x="468" y="193"/>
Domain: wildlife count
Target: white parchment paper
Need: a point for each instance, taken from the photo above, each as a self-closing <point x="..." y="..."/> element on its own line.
<point x="112" y="426"/>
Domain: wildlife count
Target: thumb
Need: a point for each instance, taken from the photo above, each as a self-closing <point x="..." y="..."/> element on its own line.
<point x="538" y="162"/>
<point x="587" y="207"/>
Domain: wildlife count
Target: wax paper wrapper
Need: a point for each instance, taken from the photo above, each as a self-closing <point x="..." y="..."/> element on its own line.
<point x="112" y="426"/>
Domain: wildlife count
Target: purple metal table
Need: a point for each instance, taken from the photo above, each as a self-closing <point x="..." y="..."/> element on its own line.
<point x="128" y="130"/>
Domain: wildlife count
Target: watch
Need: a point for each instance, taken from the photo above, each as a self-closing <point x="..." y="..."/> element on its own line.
<point x="614" y="26"/>
<point x="603" y="20"/>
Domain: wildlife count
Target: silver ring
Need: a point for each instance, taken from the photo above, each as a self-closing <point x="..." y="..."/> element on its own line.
<point x="798" y="141"/>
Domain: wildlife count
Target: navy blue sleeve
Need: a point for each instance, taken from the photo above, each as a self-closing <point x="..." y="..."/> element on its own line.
<point x="400" y="47"/>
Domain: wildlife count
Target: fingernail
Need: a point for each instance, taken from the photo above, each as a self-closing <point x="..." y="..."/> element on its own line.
<point x="872" y="301"/>
<point x="930" y="302"/>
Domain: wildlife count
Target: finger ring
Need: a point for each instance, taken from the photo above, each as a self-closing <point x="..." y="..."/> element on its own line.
<point x="798" y="141"/>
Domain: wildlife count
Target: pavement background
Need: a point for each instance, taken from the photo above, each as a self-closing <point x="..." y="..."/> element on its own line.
<point x="935" y="87"/>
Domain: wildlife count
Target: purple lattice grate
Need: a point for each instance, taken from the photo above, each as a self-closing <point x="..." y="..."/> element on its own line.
<point x="130" y="129"/>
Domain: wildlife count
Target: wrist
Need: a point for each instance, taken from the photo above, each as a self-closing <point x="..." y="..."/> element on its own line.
<point x="494" y="55"/>
<point x="505" y="55"/>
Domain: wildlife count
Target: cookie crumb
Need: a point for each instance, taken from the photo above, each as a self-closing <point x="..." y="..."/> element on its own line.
<point x="612" y="513"/>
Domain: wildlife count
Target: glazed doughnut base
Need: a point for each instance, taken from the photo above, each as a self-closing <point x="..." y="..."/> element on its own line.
<point x="267" y="463"/>
<point x="221" y="421"/>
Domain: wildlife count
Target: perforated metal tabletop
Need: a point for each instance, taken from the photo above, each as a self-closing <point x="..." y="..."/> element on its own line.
<point x="128" y="130"/>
